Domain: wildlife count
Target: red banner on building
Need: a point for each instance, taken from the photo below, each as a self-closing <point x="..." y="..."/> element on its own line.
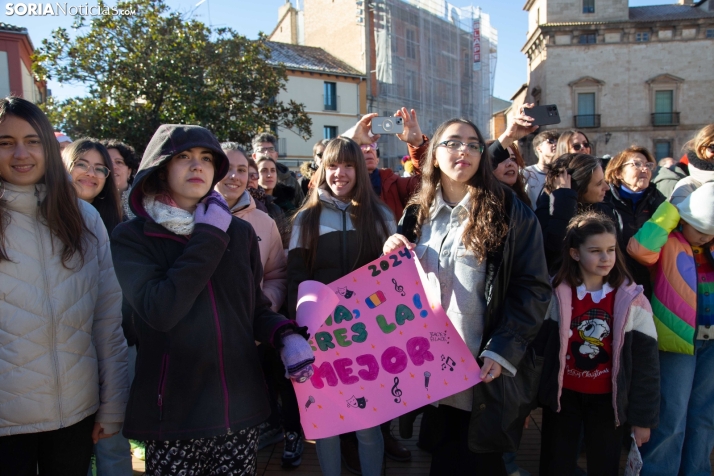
<point x="477" y="41"/>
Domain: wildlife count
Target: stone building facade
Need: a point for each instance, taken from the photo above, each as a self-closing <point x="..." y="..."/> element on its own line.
<point x="624" y="75"/>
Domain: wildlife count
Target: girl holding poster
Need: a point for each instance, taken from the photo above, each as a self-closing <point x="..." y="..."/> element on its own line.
<point x="463" y="226"/>
<point x="340" y="228"/>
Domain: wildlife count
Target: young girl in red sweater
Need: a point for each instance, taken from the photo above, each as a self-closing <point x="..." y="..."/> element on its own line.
<point x="601" y="367"/>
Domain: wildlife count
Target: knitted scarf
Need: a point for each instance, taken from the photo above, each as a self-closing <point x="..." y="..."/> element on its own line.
<point x="164" y="211"/>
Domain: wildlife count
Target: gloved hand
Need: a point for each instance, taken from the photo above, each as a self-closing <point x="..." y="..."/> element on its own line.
<point x="297" y="357"/>
<point x="213" y="210"/>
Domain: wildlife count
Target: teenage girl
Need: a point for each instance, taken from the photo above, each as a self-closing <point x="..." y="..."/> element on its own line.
<point x="482" y="250"/>
<point x="345" y="220"/>
<point x="601" y="368"/>
<point x="192" y="273"/>
<point x="64" y="380"/>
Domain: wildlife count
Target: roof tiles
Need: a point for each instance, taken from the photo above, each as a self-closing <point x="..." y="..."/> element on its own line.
<point x="308" y="58"/>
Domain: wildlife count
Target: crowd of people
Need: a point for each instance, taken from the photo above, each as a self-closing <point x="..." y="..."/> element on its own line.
<point x="154" y="299"/>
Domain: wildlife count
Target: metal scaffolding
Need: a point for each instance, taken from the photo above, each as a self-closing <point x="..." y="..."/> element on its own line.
<point x="435" y="57"/>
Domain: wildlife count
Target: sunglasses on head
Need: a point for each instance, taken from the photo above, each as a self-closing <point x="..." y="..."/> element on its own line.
<point x="578" y="147"/>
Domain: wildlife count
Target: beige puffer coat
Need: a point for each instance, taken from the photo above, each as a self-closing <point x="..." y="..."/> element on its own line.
<point x="63" y="355"/>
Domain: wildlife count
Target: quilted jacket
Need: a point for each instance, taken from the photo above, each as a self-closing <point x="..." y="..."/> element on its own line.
<point x="662" y="247"/>
<point x="63" y="355"/>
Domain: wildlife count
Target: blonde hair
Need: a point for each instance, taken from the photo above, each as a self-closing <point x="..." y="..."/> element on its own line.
<point x="704" y="137"/>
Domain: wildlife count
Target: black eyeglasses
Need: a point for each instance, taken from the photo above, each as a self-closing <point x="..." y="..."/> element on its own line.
<point x="710" y="148"/>
<point x="577" y="147"/>
<point x="319" y="154"/>
<point x="552" y="141"/>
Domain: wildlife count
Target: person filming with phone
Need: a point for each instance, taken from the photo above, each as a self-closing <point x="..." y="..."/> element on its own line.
<point x="394" y="190"/>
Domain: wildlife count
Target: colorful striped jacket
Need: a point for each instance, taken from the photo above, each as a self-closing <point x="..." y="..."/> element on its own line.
<point x="674" y="299"/>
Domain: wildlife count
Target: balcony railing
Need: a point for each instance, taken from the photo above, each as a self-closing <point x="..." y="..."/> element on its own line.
<point x="665" y="118"/>
<point x="585" y="121"/>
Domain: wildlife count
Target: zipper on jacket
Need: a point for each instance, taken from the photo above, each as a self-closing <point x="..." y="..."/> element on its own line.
<point x="162" y="384"/>
<point x="344" y="243"/>
<point x="219" y="335"/>
<point x="53" y="344"/>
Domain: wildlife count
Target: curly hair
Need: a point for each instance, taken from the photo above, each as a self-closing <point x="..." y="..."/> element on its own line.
<point x="486" y="227"/>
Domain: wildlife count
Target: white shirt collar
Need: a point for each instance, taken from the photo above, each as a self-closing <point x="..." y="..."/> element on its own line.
<point x="440" y="203"/>
<point x="596" y="296"/>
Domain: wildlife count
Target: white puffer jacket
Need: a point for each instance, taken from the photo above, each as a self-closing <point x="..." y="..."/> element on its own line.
<point x="63" y="355"/>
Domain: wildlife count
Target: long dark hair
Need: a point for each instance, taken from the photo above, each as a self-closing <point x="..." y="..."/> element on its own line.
<point x="107" y="202"/>
<point x="563" y="146"/>
<point x="579" y="166"/>
<point x="486" y="227"/>
<point x="366" y="211"/>
<point x="580" y="228"/>
<point x="520" y="186"/>
<point x="60" y="208"/>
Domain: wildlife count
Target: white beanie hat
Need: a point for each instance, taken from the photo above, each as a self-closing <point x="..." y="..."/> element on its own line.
<point x="698" y="209"/>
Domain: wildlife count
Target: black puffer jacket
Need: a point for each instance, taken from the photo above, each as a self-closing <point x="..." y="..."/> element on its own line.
<point x="198" y="308"/>
<point x="517" y="293"/>
<point x="631" y="220"/>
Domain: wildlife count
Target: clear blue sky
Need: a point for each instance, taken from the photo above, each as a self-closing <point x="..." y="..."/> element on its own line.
<point x="248" y="17"/>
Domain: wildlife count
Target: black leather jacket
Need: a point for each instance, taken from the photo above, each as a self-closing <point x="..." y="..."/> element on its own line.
<point x="518" y="293"/>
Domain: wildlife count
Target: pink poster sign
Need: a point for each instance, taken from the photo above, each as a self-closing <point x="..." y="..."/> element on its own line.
<point x="383" y="347"/>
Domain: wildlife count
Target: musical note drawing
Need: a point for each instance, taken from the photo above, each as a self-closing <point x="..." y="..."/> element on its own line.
<point x="447" y="362"/>
<point x="398" y="288"/>
<point x="396" y="392"/>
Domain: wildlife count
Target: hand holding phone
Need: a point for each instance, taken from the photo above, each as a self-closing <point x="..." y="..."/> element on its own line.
<point x="387" y="125"/>
<point x="543" y="115"/>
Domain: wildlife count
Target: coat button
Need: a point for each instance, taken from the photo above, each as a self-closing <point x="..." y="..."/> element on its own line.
<point x="482" y="406"/>
<point x="706" y="336"/>
<point x="446" y="253"/>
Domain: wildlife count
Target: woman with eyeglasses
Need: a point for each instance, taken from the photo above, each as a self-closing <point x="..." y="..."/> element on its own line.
<point x="574" y="183"/>
<point x="573" y="141"/>
<point x="700" y="155"/>
<point x="92" y="172"/>
<point x="63" y="383"/>
<point x="482" y="250"/>
<point x="635" y="198"/>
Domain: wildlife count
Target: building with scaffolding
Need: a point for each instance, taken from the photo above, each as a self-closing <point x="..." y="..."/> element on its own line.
<point x="429" y="55"/>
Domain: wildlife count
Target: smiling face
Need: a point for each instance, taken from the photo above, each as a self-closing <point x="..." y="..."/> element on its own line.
<point x="22" y="158"/>
<point x="596" y="188"/>
<point x="507" y="171"/>
<point x="636" y="179"/>
<point x="189" y="176"/>
<point x="121" y="171"/>
<point x="86" y="175"/>
<point x="341" y="179"/>
<point x="268" y="175"/>
<point x="596" y="256"/>
<point x="457" y="166"/>
<point x="236" y="180"/>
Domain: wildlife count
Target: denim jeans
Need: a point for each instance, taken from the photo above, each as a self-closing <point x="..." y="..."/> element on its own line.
<point x="114" y="454"/>
<point x="684" y="439"/>
<point x="371" y="453"/>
